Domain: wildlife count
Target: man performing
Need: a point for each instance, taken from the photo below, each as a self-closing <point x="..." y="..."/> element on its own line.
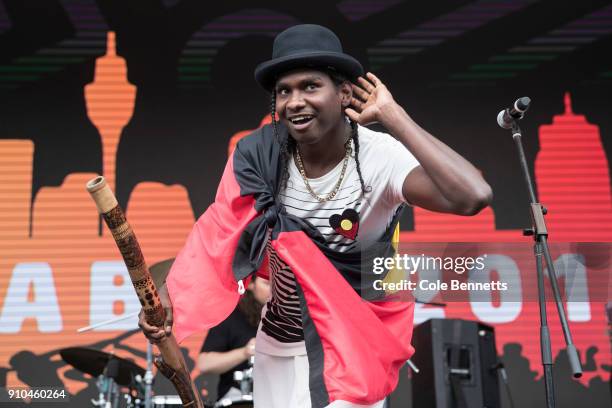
<point x="312" y="198"/>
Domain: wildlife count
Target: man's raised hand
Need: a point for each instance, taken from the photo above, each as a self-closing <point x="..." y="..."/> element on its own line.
<point x="369" y="99"/>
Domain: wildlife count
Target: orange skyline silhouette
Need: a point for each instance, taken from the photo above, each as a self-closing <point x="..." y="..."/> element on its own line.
<point x="65" y="224"/>
<point x="110" y="105"/>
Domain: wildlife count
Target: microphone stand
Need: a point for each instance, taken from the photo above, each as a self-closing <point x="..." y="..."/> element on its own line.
<point x="540" y="235"/>
<point x="148" y="378"/>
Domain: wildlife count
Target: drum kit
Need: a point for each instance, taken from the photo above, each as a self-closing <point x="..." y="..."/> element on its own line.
<point x="244" y="397"/>
<point x="122" y="383"/>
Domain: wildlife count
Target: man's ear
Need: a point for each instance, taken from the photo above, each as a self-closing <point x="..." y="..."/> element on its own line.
<point x="346" y="93"/>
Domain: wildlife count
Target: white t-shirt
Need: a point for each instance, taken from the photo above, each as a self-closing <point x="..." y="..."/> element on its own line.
<point x="347" y="221"/>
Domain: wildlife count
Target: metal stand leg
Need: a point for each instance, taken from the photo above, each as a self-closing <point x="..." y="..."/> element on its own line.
<point x="545" y="347"/>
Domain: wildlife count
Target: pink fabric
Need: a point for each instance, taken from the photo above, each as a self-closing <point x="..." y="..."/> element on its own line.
<point x="201" y="283"/>
<point x="364" y="343"/>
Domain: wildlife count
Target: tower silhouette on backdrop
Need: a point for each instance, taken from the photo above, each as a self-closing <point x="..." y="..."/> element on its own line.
<point x="573" y="179"/>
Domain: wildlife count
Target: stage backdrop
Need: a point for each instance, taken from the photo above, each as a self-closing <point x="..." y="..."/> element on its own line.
<point x="151" y="94"/>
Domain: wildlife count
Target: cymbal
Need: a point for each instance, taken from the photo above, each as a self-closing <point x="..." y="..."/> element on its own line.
<point x="160" y="271"/>
<point x="93" y="362"/>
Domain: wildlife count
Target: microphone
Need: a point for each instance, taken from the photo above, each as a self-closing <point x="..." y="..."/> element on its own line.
<point x="506" y="117"/>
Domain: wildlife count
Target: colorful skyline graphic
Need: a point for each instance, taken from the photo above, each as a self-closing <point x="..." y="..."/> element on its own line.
<point x="57" y="273"/>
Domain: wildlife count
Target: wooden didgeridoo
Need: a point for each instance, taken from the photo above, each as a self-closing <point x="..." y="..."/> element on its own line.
<point x="171" y="364"/>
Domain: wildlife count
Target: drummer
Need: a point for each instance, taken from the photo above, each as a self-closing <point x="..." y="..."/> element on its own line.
<point x="229" y="346"/>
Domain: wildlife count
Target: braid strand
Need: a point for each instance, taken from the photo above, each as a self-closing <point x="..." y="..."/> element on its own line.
<point x="355" y="137"/>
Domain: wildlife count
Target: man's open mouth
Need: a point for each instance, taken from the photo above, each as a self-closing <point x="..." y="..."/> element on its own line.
<point x="301" y="119"/>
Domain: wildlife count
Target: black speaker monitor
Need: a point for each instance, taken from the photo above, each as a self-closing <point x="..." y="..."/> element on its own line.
<point x="458" y="365"/>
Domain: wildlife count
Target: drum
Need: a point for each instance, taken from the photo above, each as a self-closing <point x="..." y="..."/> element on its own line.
<point x="166" y="401"/>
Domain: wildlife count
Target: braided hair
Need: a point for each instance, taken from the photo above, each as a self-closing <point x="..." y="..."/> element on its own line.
<point x="288" y="145"/>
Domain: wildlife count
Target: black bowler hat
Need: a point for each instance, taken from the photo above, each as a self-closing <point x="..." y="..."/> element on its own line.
<point x="306" y="46"/>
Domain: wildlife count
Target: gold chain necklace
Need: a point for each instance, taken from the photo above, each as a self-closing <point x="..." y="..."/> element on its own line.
<point x="332" y="194"/>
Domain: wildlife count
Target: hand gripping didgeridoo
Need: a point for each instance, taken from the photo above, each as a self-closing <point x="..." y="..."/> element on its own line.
<point x="171" y="364"/>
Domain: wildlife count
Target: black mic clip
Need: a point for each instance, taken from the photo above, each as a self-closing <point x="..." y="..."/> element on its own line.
<point x="506" y="117"/>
